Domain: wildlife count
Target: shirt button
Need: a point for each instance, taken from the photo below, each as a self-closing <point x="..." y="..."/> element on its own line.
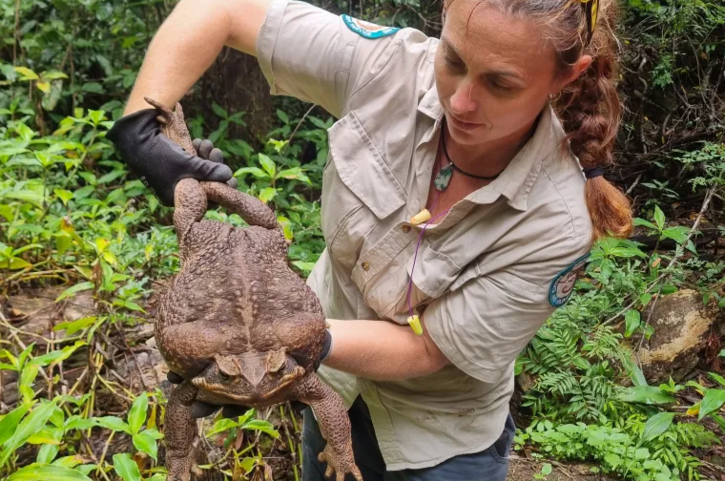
<point x="406" y="228"/>
<point x="365" y="266"/>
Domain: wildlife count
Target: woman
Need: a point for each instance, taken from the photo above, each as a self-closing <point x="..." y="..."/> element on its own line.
<point x="455" y="215"/>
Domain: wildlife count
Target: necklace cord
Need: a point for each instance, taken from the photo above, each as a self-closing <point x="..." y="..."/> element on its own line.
<point x="448" y="158"/>
<point x="415" y="257"/>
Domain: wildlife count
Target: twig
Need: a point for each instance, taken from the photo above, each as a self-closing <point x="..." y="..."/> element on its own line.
<point x="670" y="267"/>
<point x="678" y="253"/>
<point x="634" y="184"/>
<point x="299" y="124"/>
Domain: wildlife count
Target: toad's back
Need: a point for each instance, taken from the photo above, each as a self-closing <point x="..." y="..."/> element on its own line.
<point x="235" y="292"/>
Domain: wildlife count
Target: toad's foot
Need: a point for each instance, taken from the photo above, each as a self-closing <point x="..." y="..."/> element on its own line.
<point x="339" y="463"/>
<point x="334" y="422"/>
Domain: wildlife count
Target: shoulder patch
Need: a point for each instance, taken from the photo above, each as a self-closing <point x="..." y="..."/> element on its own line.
<point x="367" y="29"/>
<point x="563" y="284"/>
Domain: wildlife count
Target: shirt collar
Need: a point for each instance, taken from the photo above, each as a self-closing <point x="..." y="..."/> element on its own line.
<point x="518" y="178"/>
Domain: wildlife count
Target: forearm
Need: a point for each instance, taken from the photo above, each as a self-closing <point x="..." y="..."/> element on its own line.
<point x="188" y="42"/>
<point x="382" y="350"/>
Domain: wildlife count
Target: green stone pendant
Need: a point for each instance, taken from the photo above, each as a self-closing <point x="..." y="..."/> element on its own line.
<point x="443" y="178"/>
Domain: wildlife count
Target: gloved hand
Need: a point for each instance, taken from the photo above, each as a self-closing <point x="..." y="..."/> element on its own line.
<point x="159" y="161"/>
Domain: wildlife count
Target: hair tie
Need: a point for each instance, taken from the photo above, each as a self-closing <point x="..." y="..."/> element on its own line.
<point x="592" y="172"/>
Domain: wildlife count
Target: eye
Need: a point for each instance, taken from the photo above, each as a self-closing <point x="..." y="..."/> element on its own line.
<point x="224" y="376"/>
<point x="455" y="63"/>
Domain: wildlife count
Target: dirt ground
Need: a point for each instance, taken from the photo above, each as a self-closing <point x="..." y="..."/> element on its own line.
<point x="521" y="469"/>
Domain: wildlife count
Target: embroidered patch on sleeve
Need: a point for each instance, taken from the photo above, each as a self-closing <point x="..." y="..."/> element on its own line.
<point x="563" y="284"/>
<point x="367" y="29"/>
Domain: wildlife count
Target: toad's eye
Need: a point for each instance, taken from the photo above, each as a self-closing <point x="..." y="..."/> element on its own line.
<point x="224" y="376"/>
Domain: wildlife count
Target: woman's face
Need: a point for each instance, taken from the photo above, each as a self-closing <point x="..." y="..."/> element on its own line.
<point x="493" y="73"/>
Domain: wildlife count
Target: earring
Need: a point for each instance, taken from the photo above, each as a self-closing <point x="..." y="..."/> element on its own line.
<point x="551" y="97"/>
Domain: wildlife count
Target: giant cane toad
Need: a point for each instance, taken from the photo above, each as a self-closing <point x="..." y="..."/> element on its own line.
<point x="237" y="323"/>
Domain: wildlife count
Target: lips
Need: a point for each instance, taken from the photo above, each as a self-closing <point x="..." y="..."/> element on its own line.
<point x="461" y="125"/>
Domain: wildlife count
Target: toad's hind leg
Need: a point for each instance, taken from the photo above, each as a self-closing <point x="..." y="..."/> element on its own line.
<point x="249" y="208"/>
<point x="180" y="431"/>
<point x="189" y="207"/>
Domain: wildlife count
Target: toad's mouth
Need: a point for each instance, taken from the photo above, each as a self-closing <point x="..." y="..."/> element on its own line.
<point x="248" y="395"/>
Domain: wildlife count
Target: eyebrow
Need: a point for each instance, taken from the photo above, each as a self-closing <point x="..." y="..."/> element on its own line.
<point x="492" y="73"/>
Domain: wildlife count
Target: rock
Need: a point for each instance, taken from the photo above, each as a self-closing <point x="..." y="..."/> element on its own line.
<point x="681" y="325"/>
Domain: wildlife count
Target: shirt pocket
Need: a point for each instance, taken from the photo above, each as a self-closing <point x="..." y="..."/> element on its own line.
<point x="359" y="190"/>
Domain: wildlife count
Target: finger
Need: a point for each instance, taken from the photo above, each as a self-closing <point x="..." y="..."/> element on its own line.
<point x="321" y="457"/>
<point x="196" y="143"/>
<point x="233" y="182"/>
<point x="202" y="410"/>
<point x="216" y="155"/>
<point x="340" y="477"/>
<point x="205" y="148"/>
<point x="329" y="471"/>
<point x="233" y="411"/>
<point x="357" y="474"/>
<point x="174" y="378"/>
<point x="213" y="171"/>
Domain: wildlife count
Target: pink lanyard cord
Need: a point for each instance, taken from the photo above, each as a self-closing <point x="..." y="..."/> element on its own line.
<point x="415" y="257"/>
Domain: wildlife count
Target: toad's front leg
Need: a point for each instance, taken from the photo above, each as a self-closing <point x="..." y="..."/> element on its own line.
<point x="334" y="422"/>
<point x="180" y="431"/>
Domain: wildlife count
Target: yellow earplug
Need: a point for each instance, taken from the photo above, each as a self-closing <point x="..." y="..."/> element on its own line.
<point x="415" y="324"/>
<point x="420" y="217"/>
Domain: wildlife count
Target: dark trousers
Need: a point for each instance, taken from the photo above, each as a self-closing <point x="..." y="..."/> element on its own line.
<point x="488" y="465"/>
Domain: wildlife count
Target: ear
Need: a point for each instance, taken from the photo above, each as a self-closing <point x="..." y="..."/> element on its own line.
<point x="276" y="360"/>
<point x="581" y="65"/>
<point x="228" y="365"/>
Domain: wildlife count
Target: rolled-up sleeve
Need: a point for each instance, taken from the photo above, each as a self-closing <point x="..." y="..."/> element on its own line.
<point x="483" y="325"/>
<point x="309" y="53"/>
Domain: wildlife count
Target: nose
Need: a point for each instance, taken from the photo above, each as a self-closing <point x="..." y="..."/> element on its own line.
<point x="463" y="102"/>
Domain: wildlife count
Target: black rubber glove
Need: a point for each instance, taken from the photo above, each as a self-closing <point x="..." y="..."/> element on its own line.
<point x="159" y="161"/>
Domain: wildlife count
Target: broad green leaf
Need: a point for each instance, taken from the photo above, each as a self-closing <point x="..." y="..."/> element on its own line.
<point x="656" y="425"/>
<point x="645" y="395"/>
<point x="114" y="424"/>
<point x="267" y="194"/>
<point x="47" y="453"/>
<point x="546" y="469"/>
<point x="613" y="460"/>
<point x="49" y="435"/>
<point x="43" y="86"/>
<point x="9" y="423"/>
<point x="659" y="217"/>
<point x="54" y="74"/>
<point x="76" y="422"/>
<point x="126" y="467"/>
<point x="137" y="415"/>
<point x="32" y="423"/>
<point x="145" y="443"/>
<point x="646" y="223"/>
<point x="678" y="234"/>
<point x="55" y="356"/>
<point x="219" y="110"/>
<point x="255" y="171"/>
<point x="260" y="425"/>
<point x="15" y="264"/>
<point x="632" y="321"/>
<point x="32" y="196"/>
<point x="247" y="464"/>
<point x="268" y="165"/>
<point x="75" y="326"/>
<point x="36" y="472"/>
<point x="63" y="195"/>
<point x="222" y="425"/>
<point x="283" y="116"/>
<point x="26" y="73"/>
<point x="83" y="286"/>
<point x="294" y="173"/>
<point x="717" y="378"/>
<point x="713" y="400"/>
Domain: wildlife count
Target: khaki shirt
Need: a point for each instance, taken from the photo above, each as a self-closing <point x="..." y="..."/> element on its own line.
<point x="483" y="274"/>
